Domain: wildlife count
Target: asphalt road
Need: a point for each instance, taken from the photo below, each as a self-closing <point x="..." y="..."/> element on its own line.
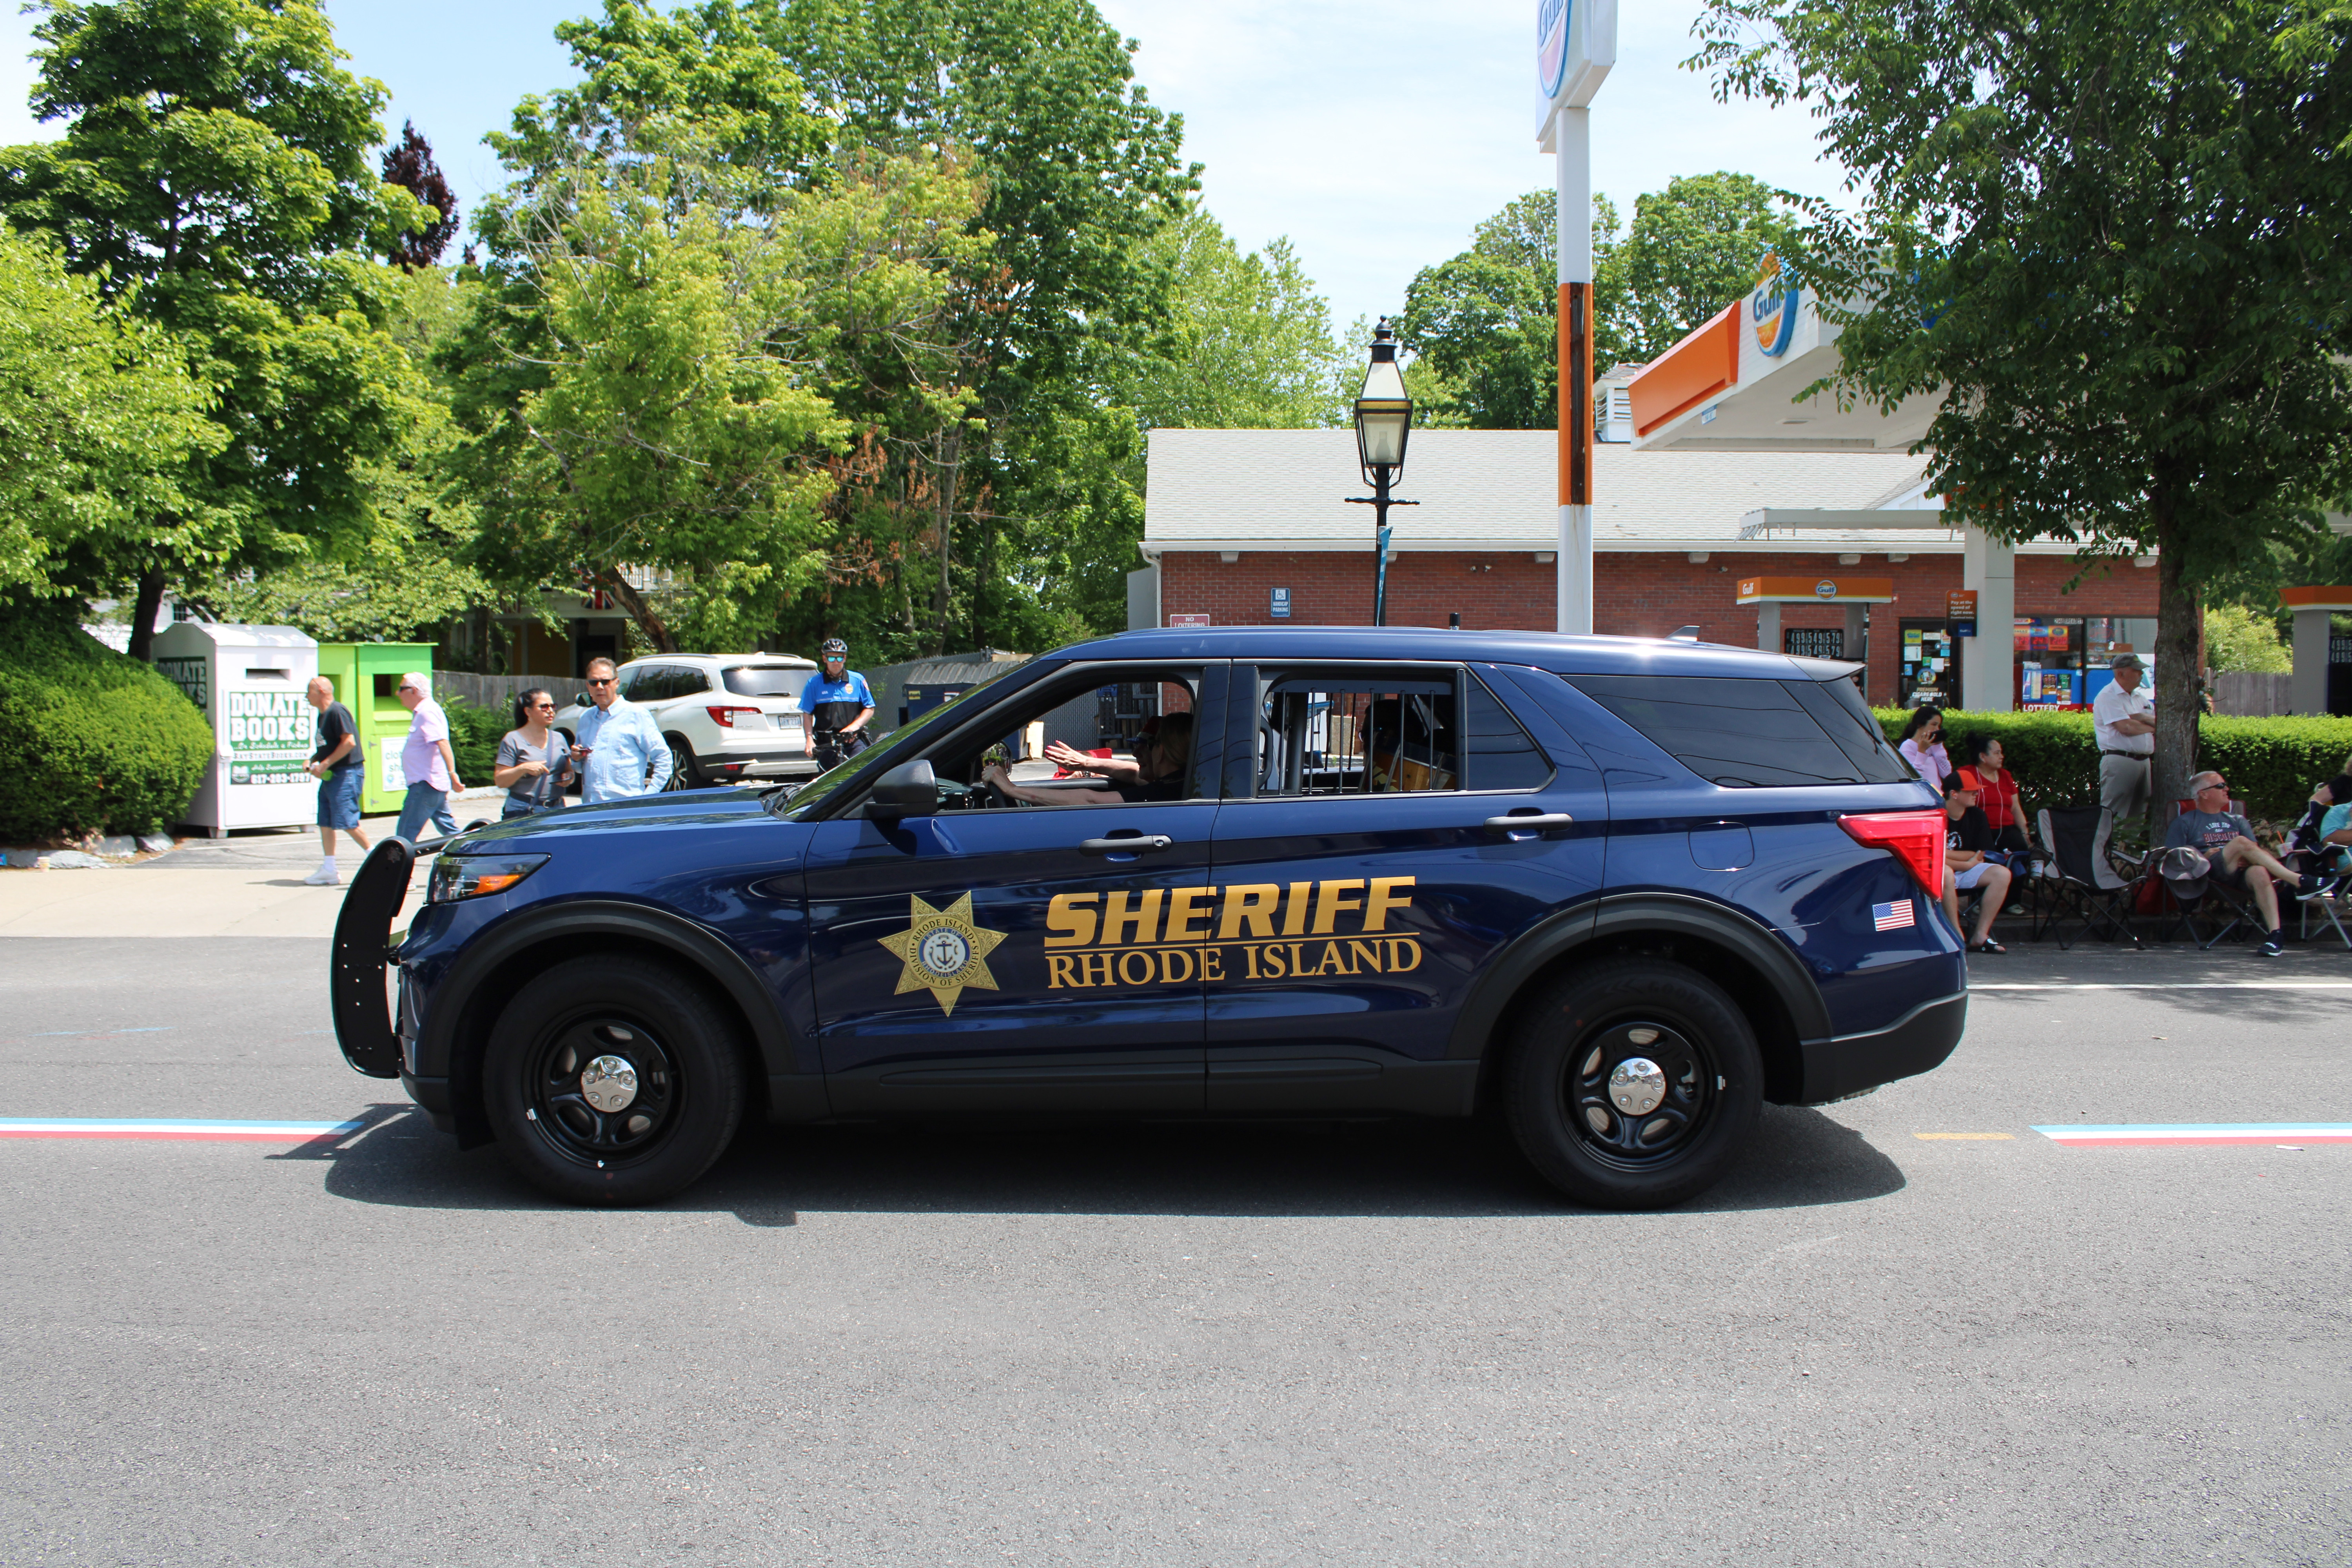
<point x="1353" y="1344"/>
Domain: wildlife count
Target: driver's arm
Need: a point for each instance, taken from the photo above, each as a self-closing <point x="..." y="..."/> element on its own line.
<point x="1055" y="796"/>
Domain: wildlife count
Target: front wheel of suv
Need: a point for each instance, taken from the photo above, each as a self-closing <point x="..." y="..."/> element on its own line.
<point x="614" y="1080"/>
<point x="1633" y="1083"/>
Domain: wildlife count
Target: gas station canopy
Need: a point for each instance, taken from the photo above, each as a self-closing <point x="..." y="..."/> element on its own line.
<point x="1816" y="590"/>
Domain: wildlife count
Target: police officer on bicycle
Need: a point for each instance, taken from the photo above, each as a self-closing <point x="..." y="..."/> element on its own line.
<point x="836" y="706"/>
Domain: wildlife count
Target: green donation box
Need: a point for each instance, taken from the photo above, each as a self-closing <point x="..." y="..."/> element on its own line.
<point x="366" y="676"/>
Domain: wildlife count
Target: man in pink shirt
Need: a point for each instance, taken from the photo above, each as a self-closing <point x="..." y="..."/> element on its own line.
<point x="425" y="761"/>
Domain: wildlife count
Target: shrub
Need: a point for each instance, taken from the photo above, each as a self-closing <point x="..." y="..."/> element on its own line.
<point x="90" y="739"/>
<point x="2272" y="763"/>
<point x="473" y="736"/>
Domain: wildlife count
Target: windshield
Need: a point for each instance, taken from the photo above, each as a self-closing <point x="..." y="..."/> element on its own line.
<point x="766" y="680"/>
<point x="849" y="774"/>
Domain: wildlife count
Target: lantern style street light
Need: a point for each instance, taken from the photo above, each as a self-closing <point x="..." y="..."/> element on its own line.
<point x="1384" y="421"/>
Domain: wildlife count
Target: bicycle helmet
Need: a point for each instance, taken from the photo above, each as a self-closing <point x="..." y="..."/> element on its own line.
<point x="833" y="648"/>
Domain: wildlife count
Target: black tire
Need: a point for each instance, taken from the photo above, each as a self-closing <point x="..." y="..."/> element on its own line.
<point x="1566" y="1048"/>
<point x="688" y="1053"/>
<point x="683" y="774"/>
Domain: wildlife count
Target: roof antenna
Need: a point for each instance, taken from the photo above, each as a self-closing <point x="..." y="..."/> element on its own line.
<point x="1453" y="621"/>
<point x="1683" y="634"/>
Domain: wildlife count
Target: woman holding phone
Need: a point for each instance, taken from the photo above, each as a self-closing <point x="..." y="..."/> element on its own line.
<point x="534" y="763"/>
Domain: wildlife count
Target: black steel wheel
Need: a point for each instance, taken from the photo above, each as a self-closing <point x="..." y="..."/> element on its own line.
<point x="1633" y="1083"/>
<point x="614" y="1080"/>
<point x="683" y="775"/>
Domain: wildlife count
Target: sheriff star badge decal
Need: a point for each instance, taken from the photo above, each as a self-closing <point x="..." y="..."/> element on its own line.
<point x="943" y="951"/>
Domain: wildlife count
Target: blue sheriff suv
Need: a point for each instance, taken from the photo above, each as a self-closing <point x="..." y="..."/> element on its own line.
<point x="1621" y="891"/>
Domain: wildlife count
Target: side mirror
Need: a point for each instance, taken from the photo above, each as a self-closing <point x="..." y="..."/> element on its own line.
<point x="911" y="789"/>
<point x="581" y="700"/>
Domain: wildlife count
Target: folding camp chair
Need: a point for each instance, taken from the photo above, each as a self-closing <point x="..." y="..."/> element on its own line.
<point x="2088" y="885"/>
<point x="2234" y="902"/>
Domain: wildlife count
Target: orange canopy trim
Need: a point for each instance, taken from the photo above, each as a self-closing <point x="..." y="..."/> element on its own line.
<point x="1822" y="590"/>
<point x="1699" y="367"/>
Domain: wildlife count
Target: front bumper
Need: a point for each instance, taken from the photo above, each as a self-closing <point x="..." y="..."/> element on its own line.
<point x="1912" y="1044"/>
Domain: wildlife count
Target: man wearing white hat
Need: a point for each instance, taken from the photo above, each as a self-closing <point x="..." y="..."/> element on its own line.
<point x="2124" y="717"/>
<point x="425" y="761"/>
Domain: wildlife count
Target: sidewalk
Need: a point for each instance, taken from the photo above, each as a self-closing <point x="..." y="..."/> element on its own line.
<point x="248" y="884"/>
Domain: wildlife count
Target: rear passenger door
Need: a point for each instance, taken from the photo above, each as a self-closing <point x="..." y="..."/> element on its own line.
<point x="1366" y="871"/>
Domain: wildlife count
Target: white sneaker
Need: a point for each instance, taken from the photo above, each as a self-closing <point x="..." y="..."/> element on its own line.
<point x="324" y="876"/>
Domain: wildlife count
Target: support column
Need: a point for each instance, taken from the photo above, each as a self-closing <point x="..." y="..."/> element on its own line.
<point x="1768" y="625"/>
<point x="1988" y="660"/>
<point x="1857" y="641"/>
<point x="1573" y="174"/>
<point x="2308" y="690"/>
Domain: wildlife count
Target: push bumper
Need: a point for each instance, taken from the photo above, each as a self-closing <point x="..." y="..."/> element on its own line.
<point x="1915" y="1043"/>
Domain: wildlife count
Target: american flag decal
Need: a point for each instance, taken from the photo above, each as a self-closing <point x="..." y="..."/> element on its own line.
<point x="1894" y="916"/>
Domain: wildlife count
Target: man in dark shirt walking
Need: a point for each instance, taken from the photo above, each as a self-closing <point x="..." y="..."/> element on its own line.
<point x="336" y="766"/>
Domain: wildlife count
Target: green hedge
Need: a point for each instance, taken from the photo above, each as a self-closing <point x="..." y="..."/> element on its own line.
<point x="90" y="741"/>
<point x="2272" y="763"/>
<point x="473" y="736"/>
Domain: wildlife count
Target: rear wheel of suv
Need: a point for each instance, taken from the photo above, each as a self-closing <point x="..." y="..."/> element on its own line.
<point x="1633" y="1083"/>
<point x="683" y="774"/>
<point x="614" y="1080"/>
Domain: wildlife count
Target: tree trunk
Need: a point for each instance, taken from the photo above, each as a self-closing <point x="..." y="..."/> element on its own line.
<point x="143" y="608"/>
<point x="2178" y="634"/>
<point x="648" y="621"/>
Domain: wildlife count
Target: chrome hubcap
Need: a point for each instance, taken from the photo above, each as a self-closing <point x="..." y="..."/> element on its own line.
<point x="1637" y="1086"/>
<point x="609" y="1083"/>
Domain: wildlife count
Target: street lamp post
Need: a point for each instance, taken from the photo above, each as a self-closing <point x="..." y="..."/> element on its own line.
<point x="1384" y="421"/>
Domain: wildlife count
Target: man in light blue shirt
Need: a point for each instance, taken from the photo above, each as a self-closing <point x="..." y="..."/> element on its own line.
<point x="619" y="751"/>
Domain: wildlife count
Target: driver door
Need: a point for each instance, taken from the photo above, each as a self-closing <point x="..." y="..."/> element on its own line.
<point x="1002" y="956"/>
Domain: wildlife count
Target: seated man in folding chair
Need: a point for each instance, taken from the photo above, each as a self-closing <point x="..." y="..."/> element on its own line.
<point x="2227" y="841"/>
<point x="1966" y="837"/>
<point x="2321" y="843"/>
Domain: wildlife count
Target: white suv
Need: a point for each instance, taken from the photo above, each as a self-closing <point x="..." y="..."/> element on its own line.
<point x="727" y="716"/>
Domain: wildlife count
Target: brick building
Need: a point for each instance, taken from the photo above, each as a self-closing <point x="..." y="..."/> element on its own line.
<point x="1235" y="518"/>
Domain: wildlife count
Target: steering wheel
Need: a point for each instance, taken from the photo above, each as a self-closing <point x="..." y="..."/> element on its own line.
<point x="997" y="797"/>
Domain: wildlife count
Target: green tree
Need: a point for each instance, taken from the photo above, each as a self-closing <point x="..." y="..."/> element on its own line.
<point x="1485" y="324"/>
<point x="1081" y="171"/>
<point x="2115" y="239"/>
<point x="1251" y="345"/>
<point x="1693" y="249"/>
<point x="217" y="174"/>
<point x="99" y="422"/>
<point x="2237" y="637"/>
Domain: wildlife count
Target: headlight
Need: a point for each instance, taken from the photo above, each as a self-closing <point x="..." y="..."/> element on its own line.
<point x="456" y="877"/>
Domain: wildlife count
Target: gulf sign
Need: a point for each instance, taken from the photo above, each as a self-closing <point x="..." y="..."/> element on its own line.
<point x="1773" y="309"/>
<point x="1551" y="46"/>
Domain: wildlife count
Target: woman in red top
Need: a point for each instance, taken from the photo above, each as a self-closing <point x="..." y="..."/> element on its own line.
<point x="1997" y="796"/>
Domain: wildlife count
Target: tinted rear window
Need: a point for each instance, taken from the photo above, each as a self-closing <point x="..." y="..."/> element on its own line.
<point x="1751" y="734"/>
<point x="766" y="680"/>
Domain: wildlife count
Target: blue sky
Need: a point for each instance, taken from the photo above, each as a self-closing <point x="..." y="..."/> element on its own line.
<point x="1374" y="132"/>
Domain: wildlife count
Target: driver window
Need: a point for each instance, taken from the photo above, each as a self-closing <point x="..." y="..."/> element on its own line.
<point x="1104" y="736"/>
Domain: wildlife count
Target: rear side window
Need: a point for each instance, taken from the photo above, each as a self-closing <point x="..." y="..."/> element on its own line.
<point x="765" y="679"/>
<point x="1500" y="754"/>
<point x="1749" y="734"/>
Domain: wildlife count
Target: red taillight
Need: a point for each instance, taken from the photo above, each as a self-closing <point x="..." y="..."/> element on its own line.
<point x="1916" y="836"/>
<point x="725" y="717"/>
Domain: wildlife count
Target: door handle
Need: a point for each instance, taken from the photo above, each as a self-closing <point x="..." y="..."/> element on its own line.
<point x="1531" y="822"/>
<point x="1139" y="843"/>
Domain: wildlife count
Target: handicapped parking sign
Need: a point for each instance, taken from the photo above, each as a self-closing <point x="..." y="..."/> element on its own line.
<point x="1280" y="608"/>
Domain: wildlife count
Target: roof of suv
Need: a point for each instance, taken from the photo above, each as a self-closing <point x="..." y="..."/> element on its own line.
<point x="788" y="661"/>
<point x="1545" y="650"/>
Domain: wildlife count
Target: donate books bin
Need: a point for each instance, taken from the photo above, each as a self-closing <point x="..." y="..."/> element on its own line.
<point x="249" y="682"/>
<point x="366" y="678"/>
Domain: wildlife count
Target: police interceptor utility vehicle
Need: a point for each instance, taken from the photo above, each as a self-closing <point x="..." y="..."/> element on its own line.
<point x="1622" y="891"/>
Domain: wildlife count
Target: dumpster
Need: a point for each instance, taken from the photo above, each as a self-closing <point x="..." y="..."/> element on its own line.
<point x="251" y="683"/>
<point x="366" y="676"/>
